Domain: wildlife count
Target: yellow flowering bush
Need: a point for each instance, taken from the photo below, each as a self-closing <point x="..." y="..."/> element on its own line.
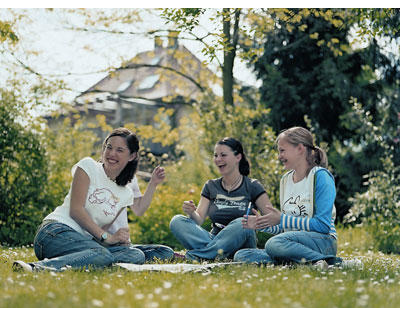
<point x="153" y="226"/>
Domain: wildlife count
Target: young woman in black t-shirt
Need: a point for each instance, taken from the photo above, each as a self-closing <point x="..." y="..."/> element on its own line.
<point x="225" y="200"/>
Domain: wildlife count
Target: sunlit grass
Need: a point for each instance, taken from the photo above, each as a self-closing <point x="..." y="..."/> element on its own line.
<point x="234" y="286"/>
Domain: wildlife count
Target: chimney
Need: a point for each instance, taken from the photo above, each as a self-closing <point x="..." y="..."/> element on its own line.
<point x="173" y="39"/>
<point x="158" y="43"/>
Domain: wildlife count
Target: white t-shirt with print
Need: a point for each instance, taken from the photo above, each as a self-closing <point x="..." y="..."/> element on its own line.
<point x="122" y="219"/>
<point x="296" y="200"/>
<point x="104" y="198"/>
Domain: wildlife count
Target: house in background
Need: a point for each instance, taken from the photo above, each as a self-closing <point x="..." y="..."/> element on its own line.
<point x="168" y="77"/>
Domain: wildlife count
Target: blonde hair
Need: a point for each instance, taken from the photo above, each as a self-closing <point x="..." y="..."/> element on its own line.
<point x="316" y="156"/>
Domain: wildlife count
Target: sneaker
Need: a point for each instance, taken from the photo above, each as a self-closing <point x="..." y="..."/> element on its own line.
<point x="352" y="264"/>
<point x="22" y="266"/>
<point x="320" y="265"/>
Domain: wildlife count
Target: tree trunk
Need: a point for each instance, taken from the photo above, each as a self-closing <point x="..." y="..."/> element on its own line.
<point x="229" y="53"/>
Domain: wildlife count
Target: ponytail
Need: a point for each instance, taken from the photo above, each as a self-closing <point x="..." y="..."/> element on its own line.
<point x="317" y="157"/>
<point x="244" y="166"/>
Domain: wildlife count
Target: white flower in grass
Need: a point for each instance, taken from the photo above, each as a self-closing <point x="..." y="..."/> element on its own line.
<point x="153" y="305"/>
<point x="359" y="290"/>
<point x="215" y="286"/>
<point x="306" y="276"/>
<point x="120" y="292"/>
<point x="130" y="283"/>
<point x="97" y="303"/>
<point x="167" y="285"/>
<point x="51" y="295"/>
<point x="285" y="278"/>
<point x="31" y="288"/>
<point x="341" y="288"/>
<point x="139" y="296"/>
<point x="239" y="281"/>
<point x="165" y="297"/>
<point x="157" y="290"/>
<point x="362" y="281"/>
<point x="202" y="287"/>
<point x="107" y="286"/>
<point x="338" y="281"/>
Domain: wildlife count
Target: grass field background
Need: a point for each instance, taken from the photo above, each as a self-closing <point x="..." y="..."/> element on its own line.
<point x="377" y="285"/>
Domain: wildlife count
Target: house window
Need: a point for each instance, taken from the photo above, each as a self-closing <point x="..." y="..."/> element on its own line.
<point x="125" y="85"/>
<point x="149" y="82"/>
<point x="155" y="60"/>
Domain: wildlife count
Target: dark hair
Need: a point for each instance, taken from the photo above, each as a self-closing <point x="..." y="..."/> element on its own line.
<point x="132" y="142"/>
<point x="237" y="148"/>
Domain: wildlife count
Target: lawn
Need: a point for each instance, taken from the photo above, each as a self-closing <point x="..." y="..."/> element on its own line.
<point x="233" y="286"/>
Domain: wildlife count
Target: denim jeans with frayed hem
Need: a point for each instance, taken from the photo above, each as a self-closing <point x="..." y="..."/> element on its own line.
<point x="201" y="244"/>
<point x="57" y="245"/>
<point x="293" y="246"/>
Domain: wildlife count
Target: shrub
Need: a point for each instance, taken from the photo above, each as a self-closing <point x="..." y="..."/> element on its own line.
<point x="23" y="176"/>
<point x="153" y="226"/>
<point x="65" y="145"/>
<point x="379" y="208"/>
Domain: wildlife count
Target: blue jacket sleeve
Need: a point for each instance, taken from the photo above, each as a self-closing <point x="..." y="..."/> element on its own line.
<point x="325" y="194"/>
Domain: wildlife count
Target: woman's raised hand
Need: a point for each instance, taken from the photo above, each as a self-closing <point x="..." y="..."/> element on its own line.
<point x="272" y="218"/>
<point x="158" y="175"/>
<point x="188" y="207"/>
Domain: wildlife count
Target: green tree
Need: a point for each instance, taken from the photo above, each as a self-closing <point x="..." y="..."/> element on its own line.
<point x="309" y="69"/>
<point x="310" y="72"/>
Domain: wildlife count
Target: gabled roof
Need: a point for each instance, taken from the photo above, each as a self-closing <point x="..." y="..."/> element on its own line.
<point x="161" y="74"/>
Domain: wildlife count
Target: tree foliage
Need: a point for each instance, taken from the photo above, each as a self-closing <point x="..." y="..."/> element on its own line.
<point x="376" y="22"/>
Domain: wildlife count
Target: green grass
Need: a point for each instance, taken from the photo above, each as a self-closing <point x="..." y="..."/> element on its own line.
<point x="234" y="286"/>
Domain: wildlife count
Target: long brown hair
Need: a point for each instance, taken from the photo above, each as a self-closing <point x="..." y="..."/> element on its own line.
<point x="132" y="142"/>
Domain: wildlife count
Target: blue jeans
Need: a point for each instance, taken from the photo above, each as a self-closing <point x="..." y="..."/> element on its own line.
<point x="203" y="245"/>
<point x="63" y="246"/>
<point x="293" y="246"/>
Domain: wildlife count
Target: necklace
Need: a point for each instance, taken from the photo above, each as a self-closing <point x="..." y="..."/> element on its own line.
<point x="233" y="186"/>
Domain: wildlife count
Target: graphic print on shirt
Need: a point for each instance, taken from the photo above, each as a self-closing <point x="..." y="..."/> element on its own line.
<point x="294" y="206"/>
<point x="223" y="201"/>
<point x="105" y="196"/>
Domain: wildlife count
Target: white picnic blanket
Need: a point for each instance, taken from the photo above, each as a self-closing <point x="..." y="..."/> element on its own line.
<point x="174" y="268"/>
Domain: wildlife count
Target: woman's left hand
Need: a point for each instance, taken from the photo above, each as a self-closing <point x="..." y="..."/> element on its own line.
<point x="250" y="221"/>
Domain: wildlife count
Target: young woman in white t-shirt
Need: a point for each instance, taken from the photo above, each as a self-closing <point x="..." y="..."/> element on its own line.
<point x="91" y="228"/>
<point x="305" y="226"/>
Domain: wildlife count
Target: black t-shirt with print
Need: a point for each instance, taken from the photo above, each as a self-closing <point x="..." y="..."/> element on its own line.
<point x="225" y="207"/>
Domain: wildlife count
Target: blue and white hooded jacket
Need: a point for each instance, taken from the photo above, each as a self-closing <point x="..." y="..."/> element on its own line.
<point x="319" y="213"/>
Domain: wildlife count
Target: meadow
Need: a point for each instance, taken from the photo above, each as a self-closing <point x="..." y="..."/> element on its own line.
<point x="376" y="285"/>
